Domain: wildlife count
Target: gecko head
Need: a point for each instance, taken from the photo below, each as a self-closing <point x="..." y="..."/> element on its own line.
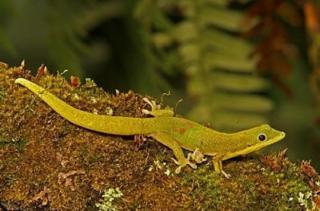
<point x="255" y="139"/>
<point x="262" y="136"/>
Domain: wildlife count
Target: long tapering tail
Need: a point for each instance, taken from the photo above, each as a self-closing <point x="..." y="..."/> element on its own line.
<point x="102" y="123"/>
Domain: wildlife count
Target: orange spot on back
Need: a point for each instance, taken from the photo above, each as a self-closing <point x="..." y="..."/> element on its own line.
<point x="181" y="130"/>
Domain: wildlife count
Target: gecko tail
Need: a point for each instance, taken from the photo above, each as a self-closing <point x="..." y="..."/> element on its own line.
<point x="100" y="123"/>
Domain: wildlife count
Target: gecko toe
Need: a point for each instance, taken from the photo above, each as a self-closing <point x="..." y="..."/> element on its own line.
<point x="192" y="165"/>
<point x="228" y="176"/>
<point x="178" y="170"/>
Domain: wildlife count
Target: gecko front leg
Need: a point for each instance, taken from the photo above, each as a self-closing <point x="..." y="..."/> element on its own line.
<point x="197" y="156"/>
<point x="217" y="164"/>
<point x="166" y="139"/>
<point x="170" y="142"/>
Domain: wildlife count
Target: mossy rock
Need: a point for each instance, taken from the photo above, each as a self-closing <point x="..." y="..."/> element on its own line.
<point x="48" y="163"/>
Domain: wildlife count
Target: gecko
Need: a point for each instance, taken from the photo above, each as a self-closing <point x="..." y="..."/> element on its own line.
<point x="176" y="133"/>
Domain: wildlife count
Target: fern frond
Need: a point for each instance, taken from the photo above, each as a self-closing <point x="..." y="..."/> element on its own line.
<point x="221" y="79"/>
<point x="220" y="17"/>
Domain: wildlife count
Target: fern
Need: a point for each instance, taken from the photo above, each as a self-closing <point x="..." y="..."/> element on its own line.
<point x="100" y="36"/>
<point x="204" y="43"/>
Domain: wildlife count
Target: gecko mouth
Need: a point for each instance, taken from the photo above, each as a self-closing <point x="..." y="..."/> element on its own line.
<point x="282" y="135"/>
<point x="277" y="138"/>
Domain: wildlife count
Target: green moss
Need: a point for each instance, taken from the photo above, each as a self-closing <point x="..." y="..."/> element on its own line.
<point x="252" y="185"/>
<point x="285" y="189"/>
<point x="9" y="179"/>
<point x="2" y="93"/>
<point x="205" y="184"/>
<point x="17" y="143"/>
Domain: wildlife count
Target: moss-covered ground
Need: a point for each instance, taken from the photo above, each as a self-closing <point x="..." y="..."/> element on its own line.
<point x="47" y="163"/>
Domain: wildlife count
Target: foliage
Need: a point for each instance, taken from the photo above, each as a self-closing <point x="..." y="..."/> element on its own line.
<point x="200" y="39"/>
<point x="312" y="17"/>
<point x="99" y="36"/>
<point x="275" y="49"/>
<point x="52" y="33"/>
<point x="312" y="27"/>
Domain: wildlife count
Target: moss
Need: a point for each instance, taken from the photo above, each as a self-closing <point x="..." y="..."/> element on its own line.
<point x="206" y="191"/>
<point x="2" y="93"/>
<point x="57" y="165"/>
<point x="253" y="185"/>
<point x="17" y="143"/>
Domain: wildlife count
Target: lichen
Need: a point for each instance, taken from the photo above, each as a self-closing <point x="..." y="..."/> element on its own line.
<point x="109" y="196"/>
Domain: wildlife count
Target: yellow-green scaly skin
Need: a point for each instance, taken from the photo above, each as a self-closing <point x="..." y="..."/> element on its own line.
<point x="174" y="132"/>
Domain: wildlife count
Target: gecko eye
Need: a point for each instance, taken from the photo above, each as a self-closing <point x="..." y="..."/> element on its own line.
<point x="262" y="137"/>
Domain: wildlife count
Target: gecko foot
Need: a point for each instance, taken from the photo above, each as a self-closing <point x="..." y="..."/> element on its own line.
<point x="156" y="110"/>
<point x="181" y="165"/>
<point x="152" y="104"/>
<point x="225" y="174"/>
<point x="197" y="156"/>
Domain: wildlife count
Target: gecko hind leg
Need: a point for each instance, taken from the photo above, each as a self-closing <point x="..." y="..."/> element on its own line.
<point x="156" y="111"/>
<point x="170" y="142"/>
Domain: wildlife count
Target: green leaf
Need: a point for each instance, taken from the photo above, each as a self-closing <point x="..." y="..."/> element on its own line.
<point x="226" y="43"/>
<point x="220" y="17"/>
<point x="222" y="61"/>
<point x="220" y="72"/>
<point x="239" y="102"/>
<point x="185" y="32"/>
<point x="239" y="82"/>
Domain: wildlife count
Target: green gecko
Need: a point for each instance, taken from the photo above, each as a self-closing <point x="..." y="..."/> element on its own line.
<point x="174" y="132"/>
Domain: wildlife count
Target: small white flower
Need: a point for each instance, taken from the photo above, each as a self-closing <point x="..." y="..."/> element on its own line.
<point x="167" y="172"/>
<point x="157" y="164"/>
<point x="93" y="100"/>
<point x="308" y="195"/>
<point x="76" y="96"/>
<point x="109" y="111"/>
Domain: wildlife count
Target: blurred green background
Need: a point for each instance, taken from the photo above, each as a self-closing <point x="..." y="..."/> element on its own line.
<point x="235" y="63"/>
